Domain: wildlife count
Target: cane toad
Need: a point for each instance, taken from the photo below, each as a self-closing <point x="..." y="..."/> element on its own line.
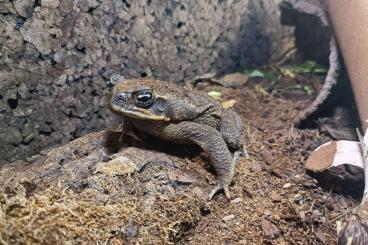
<point x="183" y="116"/>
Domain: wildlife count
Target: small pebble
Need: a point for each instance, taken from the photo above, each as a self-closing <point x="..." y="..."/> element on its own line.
<point x="255" y="167"/>
<point x="130" y="231"/>
<point x="228" y="217"/>
<point x="297" y="197"/>
<point x="275" y="217"/>
<point x="236" y="200"/>
<point x="286" y="186"/>
<point x="267" y="213"/>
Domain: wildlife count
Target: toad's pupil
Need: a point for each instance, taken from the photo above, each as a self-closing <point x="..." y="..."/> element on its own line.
<point x="144" y="97"/>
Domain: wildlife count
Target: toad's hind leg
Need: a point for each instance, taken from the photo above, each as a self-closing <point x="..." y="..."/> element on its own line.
<point x="232" y="167"/>
<point x="232" y="130"/>
<point x="212" y="143"/>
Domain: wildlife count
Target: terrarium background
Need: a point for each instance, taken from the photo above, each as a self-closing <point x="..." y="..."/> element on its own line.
<point x="57" y="56"/>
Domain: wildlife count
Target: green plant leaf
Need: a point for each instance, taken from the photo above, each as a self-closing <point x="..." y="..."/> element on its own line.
<point x="320" y="69"/>
<point x="214" y="94"/>
<point x="271" y="76"/>
<point x="306" y="67"/>
<point x="308" y="90"/>
<point x="256" y="73"/>
<point x="309" y="67"/>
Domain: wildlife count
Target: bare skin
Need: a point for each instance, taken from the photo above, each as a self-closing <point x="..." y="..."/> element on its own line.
<point x="179" y="115"/>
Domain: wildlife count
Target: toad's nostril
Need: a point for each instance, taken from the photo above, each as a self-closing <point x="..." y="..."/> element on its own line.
<point x="121" y="96"/>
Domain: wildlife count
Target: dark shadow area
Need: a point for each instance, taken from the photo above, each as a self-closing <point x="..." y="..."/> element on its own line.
<point x="346" y="180"/>
<point x="341" y="96"/>
<point x="114" y="145"/>
<point x="112" y="142"/>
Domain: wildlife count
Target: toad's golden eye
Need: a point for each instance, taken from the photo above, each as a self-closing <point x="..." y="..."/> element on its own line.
<point x="144" y="98"/>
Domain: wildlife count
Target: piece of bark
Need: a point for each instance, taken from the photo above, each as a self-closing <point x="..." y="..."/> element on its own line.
<point x="269" y="229"/>
<point x="322" y="24"/>
<point x="275" y="196"/>
<point x="338" y="166"/>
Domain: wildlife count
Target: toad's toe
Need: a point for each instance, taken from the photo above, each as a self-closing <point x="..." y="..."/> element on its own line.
<point x="218" y="188"/>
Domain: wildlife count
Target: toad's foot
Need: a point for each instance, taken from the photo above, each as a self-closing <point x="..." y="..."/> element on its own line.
<point x="244" y="152"/>
<point x="133" y="135"/>
<point x="218" y="188"/>
<point x="225" y="179"/>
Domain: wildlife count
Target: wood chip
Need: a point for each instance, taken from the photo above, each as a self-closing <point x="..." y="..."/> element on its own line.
<point x="320" y="236"/>
<point x="276" y="197"/>
<point x="180" y="177"/>
<point x="269" y="229"/>
<point x="267" y="156"/>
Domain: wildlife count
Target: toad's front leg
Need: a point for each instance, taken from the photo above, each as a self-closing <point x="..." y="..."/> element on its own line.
<point x="127" y="129"/>
<point x="212" y="143"/>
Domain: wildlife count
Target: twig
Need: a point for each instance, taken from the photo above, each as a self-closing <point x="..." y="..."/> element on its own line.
<point x="340" y="216"/>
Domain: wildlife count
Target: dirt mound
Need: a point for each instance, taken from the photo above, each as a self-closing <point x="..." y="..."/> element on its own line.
<point x="98" y="189"/>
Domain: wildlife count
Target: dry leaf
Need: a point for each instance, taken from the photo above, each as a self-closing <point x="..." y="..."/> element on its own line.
<point x="215" y="94"/>
<point x="234" y="80"/>
<point x="228" y="104"/>
<point x="259" y="89"/>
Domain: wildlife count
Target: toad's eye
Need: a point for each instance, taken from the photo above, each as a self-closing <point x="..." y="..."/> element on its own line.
<point x="144" y="99"/>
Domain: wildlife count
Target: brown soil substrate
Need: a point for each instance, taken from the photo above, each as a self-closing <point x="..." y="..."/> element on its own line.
<point x="152" y="192"/>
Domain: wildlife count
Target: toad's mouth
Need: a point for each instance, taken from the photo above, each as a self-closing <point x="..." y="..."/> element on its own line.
<point x="138" y="113"/>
